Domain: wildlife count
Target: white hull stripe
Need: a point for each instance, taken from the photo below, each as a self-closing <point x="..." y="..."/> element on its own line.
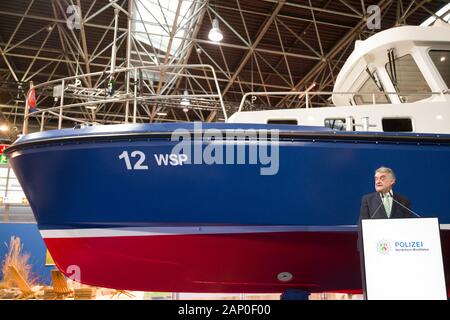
<point x="192" y="230"/>
<point x="186" y="230"/>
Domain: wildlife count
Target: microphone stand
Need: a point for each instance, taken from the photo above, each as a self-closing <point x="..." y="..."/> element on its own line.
<point x="398" y="202"/>
<point x="375" y="212"/>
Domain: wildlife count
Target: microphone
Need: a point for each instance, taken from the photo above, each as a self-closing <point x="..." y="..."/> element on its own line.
<point x="376" y="210"/>
<point x="398" y="202"/>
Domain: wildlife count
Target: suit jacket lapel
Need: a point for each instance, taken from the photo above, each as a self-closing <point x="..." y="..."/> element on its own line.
<point x="380" y="206"/>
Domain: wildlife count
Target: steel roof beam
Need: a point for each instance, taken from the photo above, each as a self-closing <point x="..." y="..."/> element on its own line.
<point x="265" y="26"/>
<point x="335" y="50"/>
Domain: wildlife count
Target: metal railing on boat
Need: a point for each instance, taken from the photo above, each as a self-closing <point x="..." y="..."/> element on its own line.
<point x="307" y="95"/>
<point x="91" y="97"/>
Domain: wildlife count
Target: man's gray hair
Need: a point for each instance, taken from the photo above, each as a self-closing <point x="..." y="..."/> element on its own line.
<point x="386" y="170"/>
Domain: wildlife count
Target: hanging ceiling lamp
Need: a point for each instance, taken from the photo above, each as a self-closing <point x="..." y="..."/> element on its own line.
<point x="215" y="34"/>
<point x="185" y="102"/>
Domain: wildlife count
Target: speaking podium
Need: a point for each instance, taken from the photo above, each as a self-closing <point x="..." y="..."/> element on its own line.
<point x="402" y="259"/>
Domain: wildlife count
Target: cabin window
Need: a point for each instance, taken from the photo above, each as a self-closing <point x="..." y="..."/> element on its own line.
<point x="441" y="60"/>
<point x="407" y="79"/>
<point x="336" y="124"/>
<point x="293" y="122"/>
<point x="397" y="125"/>
<point x="371" y="90"/>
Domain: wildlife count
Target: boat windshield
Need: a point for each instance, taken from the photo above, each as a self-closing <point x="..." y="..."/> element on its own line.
<point x="408" y="79"/>
<point x="371" y="84"/>
<point x="441" y="59"/>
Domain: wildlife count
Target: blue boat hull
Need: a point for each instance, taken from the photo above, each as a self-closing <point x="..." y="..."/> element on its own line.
<point x="79" y="182"/>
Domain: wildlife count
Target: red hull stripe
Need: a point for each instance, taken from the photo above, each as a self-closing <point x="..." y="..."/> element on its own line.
<point x="249" y="262"/>
<point x="246" y="262"/>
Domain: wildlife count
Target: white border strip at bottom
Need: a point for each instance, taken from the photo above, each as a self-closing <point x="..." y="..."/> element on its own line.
<point x="191" y="230"/>
<point x="184" y="230"/>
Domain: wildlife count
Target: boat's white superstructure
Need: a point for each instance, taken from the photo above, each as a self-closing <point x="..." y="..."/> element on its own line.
<point x="397" y="80"/>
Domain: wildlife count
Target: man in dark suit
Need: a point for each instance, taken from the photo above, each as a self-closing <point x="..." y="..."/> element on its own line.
<point x="384" y="203"/>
